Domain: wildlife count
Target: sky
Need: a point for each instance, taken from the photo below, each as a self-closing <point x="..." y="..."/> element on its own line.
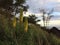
<point x="36" y="5"/>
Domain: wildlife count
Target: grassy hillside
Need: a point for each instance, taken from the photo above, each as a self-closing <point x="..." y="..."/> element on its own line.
<point x="34" y="36"/>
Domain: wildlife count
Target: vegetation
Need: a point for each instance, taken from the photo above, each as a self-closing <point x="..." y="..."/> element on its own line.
<point x="34" y="36"/>
<point x="49" y="16"/>
<point x="43" y="15"/>
<point x="13" y="32"/>
<point x="32" y="19"/>
<point x="23" y="34"/>
<point x="46" y="15"/>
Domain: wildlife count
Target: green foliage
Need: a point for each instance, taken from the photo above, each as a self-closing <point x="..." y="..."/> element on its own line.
<point x="32" y="19"/>
<point x="20" y="1"/>
<point x="21" y="16"/>
<point x="7" y="3"/>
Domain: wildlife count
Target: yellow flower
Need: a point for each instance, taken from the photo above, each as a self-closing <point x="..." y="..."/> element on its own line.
<point x="26" y="24"/>
<point x="14" y="22"/>
<point x="21" y="15"/>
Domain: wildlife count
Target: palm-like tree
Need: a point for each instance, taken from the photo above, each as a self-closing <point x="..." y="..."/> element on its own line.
<point x="43" y="15"/>
<point x="49" y="16"/>
<point x="46" y="19"/>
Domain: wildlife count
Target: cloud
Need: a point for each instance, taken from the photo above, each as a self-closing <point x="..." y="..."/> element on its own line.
<point x="51" y="23"/>
<point x="34" y="5"/>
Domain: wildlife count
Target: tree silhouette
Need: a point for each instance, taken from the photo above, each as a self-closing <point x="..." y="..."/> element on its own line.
<point x="43" y="15"/>
<point x="10" y="6"/>
<point x="32" y="19"/>
<point x="49" y="16"/>
<point x="46" y="19"/>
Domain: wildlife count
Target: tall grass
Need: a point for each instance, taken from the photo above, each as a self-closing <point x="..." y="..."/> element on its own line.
<point x="34" y="36"/>
<point x="24" y="34"/>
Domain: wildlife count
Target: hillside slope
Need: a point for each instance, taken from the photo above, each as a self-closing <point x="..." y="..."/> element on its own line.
<point x="34" y="36"/>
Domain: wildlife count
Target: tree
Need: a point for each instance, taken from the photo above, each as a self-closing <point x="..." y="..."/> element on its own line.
<point x="43" y="15"/>
<point x="9" y="3"/>
<point x="49" y="16"/>
<point x="12" y="5"/>
<point x="7" y="7"/>
<point x="46" y="19"/>
<point x="32" y="19"/>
